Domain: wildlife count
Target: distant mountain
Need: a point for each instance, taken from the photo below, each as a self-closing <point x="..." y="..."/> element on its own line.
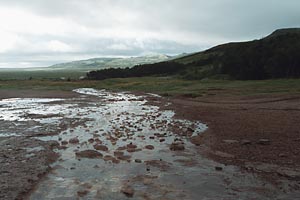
<point x="104" y="63"/>
<point x="275" y="56"/>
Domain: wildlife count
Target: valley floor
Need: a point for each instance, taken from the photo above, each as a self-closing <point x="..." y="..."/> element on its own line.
<point x="259" y="133"/>
<point x="255" y="130"/>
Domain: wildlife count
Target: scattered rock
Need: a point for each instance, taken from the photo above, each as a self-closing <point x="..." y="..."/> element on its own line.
<point x="138" y="160"/>
<point x="218" y="168"/>
<point x="74" y="140"/>
<point x="245" y="142"/>
<point x="98" y="141"/>
<point x="111" y="158"/>
<point x="131" y="146"/>
<point x="162" y="140"/>
<point x="176" y="146"/>
<point x="82" y="193"/>
<point x="264" y="142"/>
<point x="124" y="157"/>
<point x="89" y="154"/>
<point x="150" y="147"/>
<point x="160" y="164"/>
<point x="128" y="191"/>
<point x="100" y="147"/>
<point x="118" y="153"/>
<point x="223" y="154"/>
<point x="91" y="140"/>
<point x="133" y="150"/>
<point x="282" y="155"/>
<point x="230" y="141"/>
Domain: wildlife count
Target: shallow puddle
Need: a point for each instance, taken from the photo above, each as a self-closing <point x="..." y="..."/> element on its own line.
<point x="115" y="146"/>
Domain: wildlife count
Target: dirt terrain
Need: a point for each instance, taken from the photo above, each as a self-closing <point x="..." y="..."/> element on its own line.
<point x="135" y="150"/>
<point x="248" y="131"/>
<point x="25" y="160"/>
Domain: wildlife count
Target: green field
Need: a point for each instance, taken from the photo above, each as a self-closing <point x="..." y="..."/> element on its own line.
<point x="39" y="74"/>
<point x="166" y="86"/>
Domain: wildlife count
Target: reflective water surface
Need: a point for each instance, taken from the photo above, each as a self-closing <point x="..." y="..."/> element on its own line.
<point x="115" y="146"/>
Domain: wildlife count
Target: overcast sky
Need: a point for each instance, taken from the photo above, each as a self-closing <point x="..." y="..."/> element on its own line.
<point x="38" y="33"/>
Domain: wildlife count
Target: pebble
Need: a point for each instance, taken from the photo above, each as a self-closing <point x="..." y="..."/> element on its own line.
<point x="218" y="168"/>
<point x="245" y="142"/>
<point x="264" y="142"/>
<point x="128" y="191"/>
<point x="175" y="146"/>
<point x="100" y="147"/>
<point x="89" y="154"/>
<point x="74" y="140"/>
<point x="150" y="147"/>
<point x="230" y="141"/>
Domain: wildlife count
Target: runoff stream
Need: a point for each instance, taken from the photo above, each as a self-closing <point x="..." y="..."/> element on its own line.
<point x="116" y="146"/>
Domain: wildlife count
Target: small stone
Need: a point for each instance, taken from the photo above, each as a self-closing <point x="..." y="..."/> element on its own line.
<point x="89" y="154"/>
<point x="264" y="142"/>
<point x="282" y="155"/>
<point x="230" y="141"/>
<point x="175" y="146"/>
<point x="91" y="140"/>
<point x="150" y="147"/>
<point x="131" y="146"/>
<point x="245" y="142"/>
<point x="223" y="154"/>
<point x="100" y="147"/>
<point x="138" y="160"/>
<point x="74" y="140"/>
<point x="218" y="168"/>
<point x="82" y="193"/>
<point x="162" y="140"/>
<point x="128" y="191"/>
<point x="118" y="153"/>
<point x="124" y="157"/>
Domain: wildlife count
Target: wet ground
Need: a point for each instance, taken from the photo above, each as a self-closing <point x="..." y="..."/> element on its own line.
<point x="115" y="146"/>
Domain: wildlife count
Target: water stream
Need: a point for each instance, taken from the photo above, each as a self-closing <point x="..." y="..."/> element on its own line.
<point x="115" y="146"/>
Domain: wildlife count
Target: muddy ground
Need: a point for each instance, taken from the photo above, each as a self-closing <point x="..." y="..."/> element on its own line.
<point x="24" y="161"/>
<point x="259" y="134"/>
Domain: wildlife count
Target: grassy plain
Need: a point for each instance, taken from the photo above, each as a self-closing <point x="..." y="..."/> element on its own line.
<point x="166" y="86"/>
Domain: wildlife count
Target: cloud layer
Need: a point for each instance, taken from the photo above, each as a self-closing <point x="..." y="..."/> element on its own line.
<point x="43" y="32"/>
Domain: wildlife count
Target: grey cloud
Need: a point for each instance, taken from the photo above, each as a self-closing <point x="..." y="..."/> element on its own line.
<point x="177" y="25"/>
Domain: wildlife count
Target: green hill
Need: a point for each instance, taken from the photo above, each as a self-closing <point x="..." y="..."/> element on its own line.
<point x="106" y="63"/>
<point x="78" y="69"/>
<point x="275" y="56"/>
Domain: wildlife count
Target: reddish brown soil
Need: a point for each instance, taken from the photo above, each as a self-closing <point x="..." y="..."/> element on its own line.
<point x="5" y="94"/>
<point x="272" y="117"/>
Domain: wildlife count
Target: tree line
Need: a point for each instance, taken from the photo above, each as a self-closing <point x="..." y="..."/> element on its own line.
<point x="162" y="68"/>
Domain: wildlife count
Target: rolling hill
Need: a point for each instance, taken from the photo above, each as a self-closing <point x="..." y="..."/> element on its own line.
<point x="77" y="69"/>
<point x="275" y="56"/>
<point x="105" y="63"/>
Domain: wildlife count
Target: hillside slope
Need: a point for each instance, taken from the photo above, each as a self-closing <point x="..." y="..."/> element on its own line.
<point x="105" y="63"/>
<point x="275" y="56"/>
